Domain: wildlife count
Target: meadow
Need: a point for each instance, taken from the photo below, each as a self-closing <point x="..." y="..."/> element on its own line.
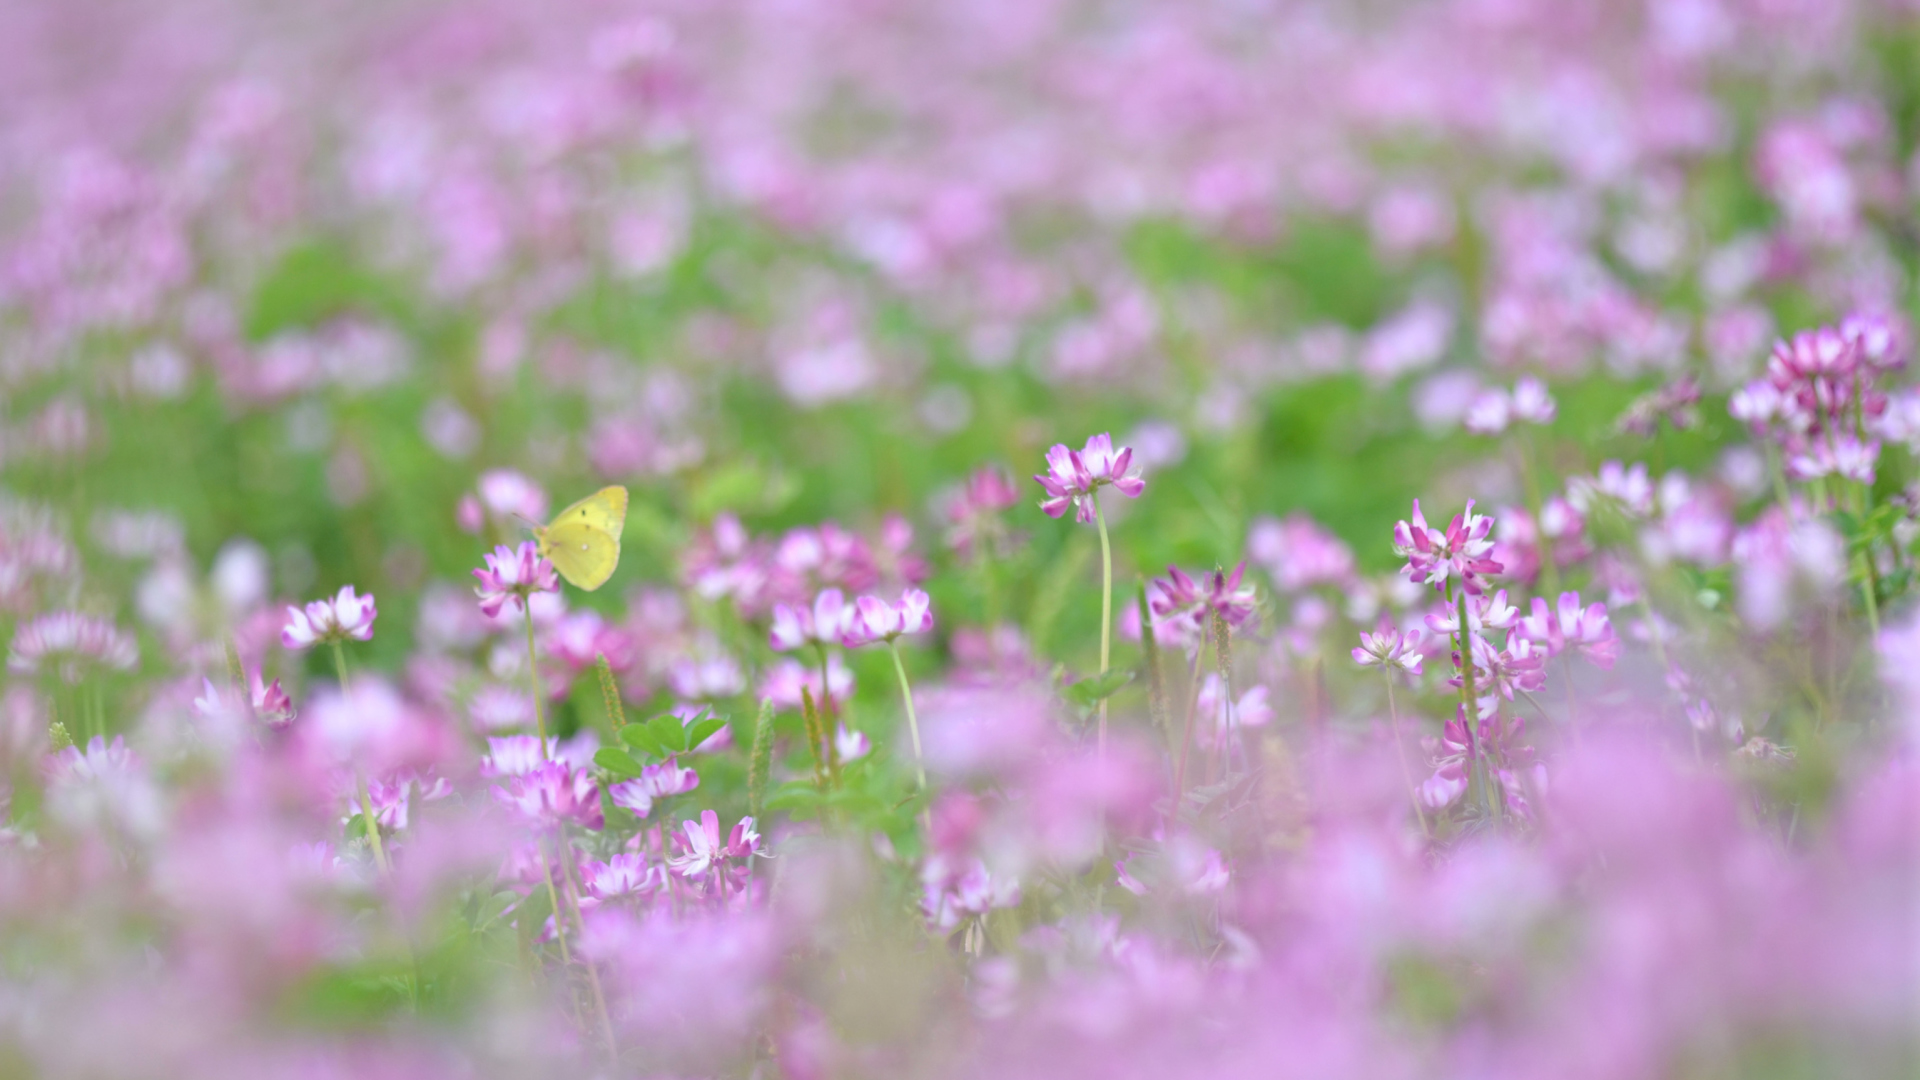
<point x="1002" y="538"/>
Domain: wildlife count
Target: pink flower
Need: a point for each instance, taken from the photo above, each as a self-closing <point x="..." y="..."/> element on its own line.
<point x="1073" y="476"/>
<point x="1571" y="626"/>
<point x="511" y="575"/>
<point x="266" y="703"/>
<point x="654" y="782"/>
<point x="1298" y="553"/>
<point x="1838" y="455"/>
<point x="503" y="494"/>
<point x="1179" y="598"/>
<point x="553" y="793"/>
<point x="784" y="681"/>
<point x="625" y="874"/>
<point x="511" y="755"/>
<point x="973" y="512"/>
<point x="851" y="745"/>
<point x="1390" y="648"/>
<point x="876" y="620"/>
<point x="1434" y="556"/>
<point x="824" y="623"/>
<point x="69" y="643"/>
<point x="703" y="848"/>
<point x="343" y="616"/>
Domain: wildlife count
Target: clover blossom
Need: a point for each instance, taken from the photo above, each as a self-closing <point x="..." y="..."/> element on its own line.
<point x="1390" y="648"/>
<point x="875" y="620"/>
<point x="1074" y="476"/>
<point x="330" y="619"/>
<point x="553" y="793"/>
<point x="1568" y="625"/>
<point x="1461" y="551"/>
<point x="1179" y="598"/>
<point x="825" y="622"/>
<point x="703" y="849"/>
<point x="68" y="643"/>
<point x="655" y="782"/>
<point x="511" y="576"/>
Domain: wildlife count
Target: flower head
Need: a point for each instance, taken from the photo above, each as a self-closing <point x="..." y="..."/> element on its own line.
<point x="338" y="618"/>
<point x="876" y="620"/>
<point x="1073" y="476"/>
<point x="1461" y="551"/>
<point x="1390" y="648"/>
<point x="1179" y="598"/>
<point x="511" y="575"/>
<point x="824" y="623"/>
<point x="654" y="782"/>
<point x="703" y="849"/>
<point x="553" y="793"/>
<point x="1571" y="626"/>
<point x="69" y="644"/>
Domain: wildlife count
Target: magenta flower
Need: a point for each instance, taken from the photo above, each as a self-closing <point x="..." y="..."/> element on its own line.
<point x="553" y="793"/>
<point x="851" y="745"/>
<point x="654" y="782"/>
<point x="824" y="623"/>
<point x="703" y="848"/>
<point x="1073" y="476"/>
<point x="343" y="616"/>
<point x="1460" y="552"/>
<point x="1839" y="455"/>
<point x="1391" y="649"/>
<point x="1178" y="598"/>
<point x="511" y="575"/>
<point x="875" y="620"/>
<point x="973" y="512"/>
<point x="1571" y="626"/>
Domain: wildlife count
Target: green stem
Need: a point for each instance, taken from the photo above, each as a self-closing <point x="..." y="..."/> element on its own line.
<point x="1471" y="705"/>
<point x="533" y="680"/>
<point x="913" y="720"/>
<point x="1106" y="607"/>
<point x="360" y="778"/>
<point x="1400" y="752"/>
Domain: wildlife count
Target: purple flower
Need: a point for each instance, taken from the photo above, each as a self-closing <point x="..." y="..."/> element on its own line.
<point x="343" y="616"/>
<point x="512" y="574"/>
<point x="654" y="782"/>
<point x="1390" y="648"/>
<point x="1073" y="476"/>
<point x="851" y="745"/>
<point x="511" y="755"/>
<point x="876" y="620"/>
<point x="1837" y="455"/>
<point x="824" y="623"/>
<point x="1571" y="626"/>
<point x="1460" y="552"/>
<point x="703" y="848"/>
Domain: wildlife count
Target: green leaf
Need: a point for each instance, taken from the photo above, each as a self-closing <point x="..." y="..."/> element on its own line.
<point x="668" y="731"/>
<point x="1090" y="692"/>
<point x="703" y="731"/>
<point x="798" y="798"/>
<point x="616" y="761"/>
<point x="641" y="738"/>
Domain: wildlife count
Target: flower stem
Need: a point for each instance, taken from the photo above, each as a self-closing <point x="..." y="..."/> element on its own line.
<point x="593" y="976"/>
<point x="1400" y="752"/>
<point x="1106" y="607"/>
<point x="360" y="777"/>
<point x="913" y="720"/>
<point x="533" y="680"/>
<point x="1470" y="707"/>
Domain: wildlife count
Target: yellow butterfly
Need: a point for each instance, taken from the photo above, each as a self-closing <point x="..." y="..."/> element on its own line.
<point x="583" y="542"/>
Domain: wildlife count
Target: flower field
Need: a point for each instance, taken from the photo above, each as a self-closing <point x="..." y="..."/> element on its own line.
<point x="815" y="539"/>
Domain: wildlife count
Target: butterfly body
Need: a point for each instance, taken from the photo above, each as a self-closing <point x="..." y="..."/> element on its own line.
<point x="583" y="541"/>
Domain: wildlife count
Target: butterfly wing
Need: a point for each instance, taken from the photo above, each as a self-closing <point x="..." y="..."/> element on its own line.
<point x="584" y="555"/>
<point x="605" y="510"/>
<point x="583" y="543"/>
